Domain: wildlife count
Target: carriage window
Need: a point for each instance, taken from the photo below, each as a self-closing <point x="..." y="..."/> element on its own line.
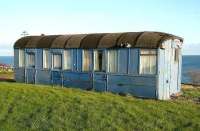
<point x="86" y="61"/>
<point x="148" y="58"/>
<point x="99" y="61"/>
<point x="21" y="58"/>
<point x="57" y="61"/>
<point x="31" y="60"/>
<point x="112" y="61"/>
<point x="67" y="59"/>
<point x="176" y="55"/>
<point x="45" y="59"/>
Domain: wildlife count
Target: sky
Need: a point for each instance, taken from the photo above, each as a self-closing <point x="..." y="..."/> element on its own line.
<point x="178" y="17"/>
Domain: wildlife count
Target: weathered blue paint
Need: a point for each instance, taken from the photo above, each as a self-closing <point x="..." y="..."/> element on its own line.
<point x="71" y="79"/>
<point x="100" y="81"/>
<point x="135" y="85"/>
<point x="16" y="59"/>
<point x="19" y="75"/>
<point x="127" y="81"/>
<point x="74" y="61"/>
<point x="57" y="77"/>
<point x="79" y="60"/>
<point x="43" y="76"/>
<point x="30" y="72"/>
<point x="122" y="62"/>
<point x="30" y="76"/>
<point x="133" y="66"/>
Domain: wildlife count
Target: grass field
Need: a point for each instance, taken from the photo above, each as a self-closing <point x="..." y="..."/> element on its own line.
<point x="31" y="107"/>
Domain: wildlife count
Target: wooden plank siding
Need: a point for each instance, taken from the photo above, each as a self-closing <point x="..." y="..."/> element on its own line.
<point x="126" y="80"/>
<point x="169" y="76"/>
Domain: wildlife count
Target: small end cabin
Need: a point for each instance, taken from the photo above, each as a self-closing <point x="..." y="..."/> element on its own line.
<point x="144" y="64"/>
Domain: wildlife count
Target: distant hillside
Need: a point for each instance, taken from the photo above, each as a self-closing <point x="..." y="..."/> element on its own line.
<point x="31" y="107"/>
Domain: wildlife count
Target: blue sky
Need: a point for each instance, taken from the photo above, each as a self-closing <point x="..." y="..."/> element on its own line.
<point x="178" y="17"/>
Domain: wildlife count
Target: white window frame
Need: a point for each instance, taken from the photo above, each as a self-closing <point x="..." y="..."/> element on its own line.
<point x="116" y="59"/>
<point x="21" y="58"/>
<point x="53" y="61"/>
<point x="31" y="60"/>
<point x="84" y="60"/>
<point x="68" y="59"/>
<point x="151" y="55"/>
<point x="45" y="61"/>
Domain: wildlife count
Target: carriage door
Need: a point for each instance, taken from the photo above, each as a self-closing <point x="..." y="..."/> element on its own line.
<point x="100" y="76"/>
<point x="56" y="73"/>
<point x="175" y="56"/>
<point x="167" y="70"/>
<point x="86" y="76"/>
<point x="171" y="69"/>
<point x="30" y="70"/>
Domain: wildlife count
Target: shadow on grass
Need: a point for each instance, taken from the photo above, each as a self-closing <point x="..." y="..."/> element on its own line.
<point x="7" y="80"/>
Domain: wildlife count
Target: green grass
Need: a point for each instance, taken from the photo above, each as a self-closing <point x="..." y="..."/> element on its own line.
<point x="31" y="107"/>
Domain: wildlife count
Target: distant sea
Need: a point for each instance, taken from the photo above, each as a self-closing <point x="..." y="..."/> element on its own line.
<point x="189" y="63"/>
<point x="8" y="60"/>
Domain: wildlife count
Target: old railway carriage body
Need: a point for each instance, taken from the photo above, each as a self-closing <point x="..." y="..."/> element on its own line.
<point x="144" y="64"/>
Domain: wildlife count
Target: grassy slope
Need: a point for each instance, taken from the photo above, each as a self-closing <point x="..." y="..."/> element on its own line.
<point x="42" y="107"/>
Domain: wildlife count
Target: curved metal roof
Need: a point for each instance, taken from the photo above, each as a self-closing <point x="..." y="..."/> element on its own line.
<point x="75" y="41"/>
<point x="60" y="41"/>
<point x="32" y="43"/>
<point x="151" y="39"/>
<point x="90" y="41"/>
<point x="109" y="40"/>
<point x="21" y="43"/>
<point x="130" y="37"/>
<point x="46" y="41"/>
